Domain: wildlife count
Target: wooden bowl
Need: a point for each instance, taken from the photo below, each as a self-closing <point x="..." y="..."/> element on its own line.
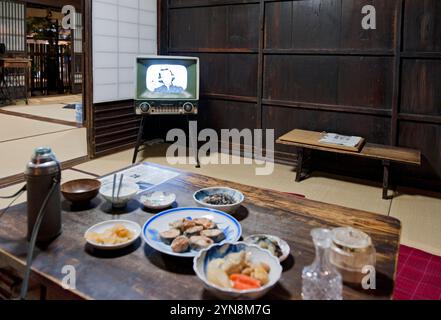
<point x="81" y="190"/>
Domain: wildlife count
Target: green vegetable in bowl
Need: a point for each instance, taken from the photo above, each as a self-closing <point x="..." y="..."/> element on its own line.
<point x="269" y="244"/>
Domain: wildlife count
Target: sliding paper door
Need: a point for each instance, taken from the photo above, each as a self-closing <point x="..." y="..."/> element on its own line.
<point x="77" y="54"/>
<point x="122" y="30"/>
<point x="12" y="26"/>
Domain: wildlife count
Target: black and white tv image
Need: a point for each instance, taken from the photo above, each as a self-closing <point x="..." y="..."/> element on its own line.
<point x="167" y="78"/>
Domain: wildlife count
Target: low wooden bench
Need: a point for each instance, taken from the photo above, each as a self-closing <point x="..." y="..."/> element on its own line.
<point x="386" y="154"/>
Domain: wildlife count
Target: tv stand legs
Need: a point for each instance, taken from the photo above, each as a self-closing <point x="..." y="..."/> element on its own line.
<point x="198" y="165"/>
<point x="193" y="145"/>
<point x="138" y="139"/>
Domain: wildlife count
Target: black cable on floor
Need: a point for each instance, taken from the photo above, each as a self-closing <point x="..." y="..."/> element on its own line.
<point x="15" y="196"/>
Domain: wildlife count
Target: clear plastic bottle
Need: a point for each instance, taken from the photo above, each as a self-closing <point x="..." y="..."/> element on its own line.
<point x="320" y="280"/>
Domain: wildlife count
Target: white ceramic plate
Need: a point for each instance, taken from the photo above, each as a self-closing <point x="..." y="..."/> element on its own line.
<point x="157" y="200"/>
<point x="284" y="246"/>
<point x="103" y="226"/>
<point x="160" y="222"/>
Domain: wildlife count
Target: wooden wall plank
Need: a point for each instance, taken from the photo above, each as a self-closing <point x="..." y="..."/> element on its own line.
<point x="354" y="81"/>
<point x="422" y="25"/>
<point x="222" y="76"/>
<point x="218" y="114"/>
<point x="427" y="138"/>
<point x="328" y="24"/>
<point x="421" y="87"/>
<point x="382" y="38"/>
<point x="214" y="27"/>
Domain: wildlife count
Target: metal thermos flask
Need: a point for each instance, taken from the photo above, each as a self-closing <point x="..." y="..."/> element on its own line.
<point x="41" y="173"/>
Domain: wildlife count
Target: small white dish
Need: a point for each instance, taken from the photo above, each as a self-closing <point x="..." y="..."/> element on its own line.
<point x="128" y="191"/>
<point x="158" y="200"/>
<point x="283" y="245"/>
<point x="103" y="226"/>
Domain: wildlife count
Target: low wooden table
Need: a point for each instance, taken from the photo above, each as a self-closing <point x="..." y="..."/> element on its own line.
<point x="140" y="272"/>
<point x="386" y="154"/>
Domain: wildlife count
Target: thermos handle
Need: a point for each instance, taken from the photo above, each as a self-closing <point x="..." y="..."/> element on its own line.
<point x="40" y="216"/>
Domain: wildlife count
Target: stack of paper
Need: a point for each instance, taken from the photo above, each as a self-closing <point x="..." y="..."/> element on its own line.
<point x="337" y="139"/>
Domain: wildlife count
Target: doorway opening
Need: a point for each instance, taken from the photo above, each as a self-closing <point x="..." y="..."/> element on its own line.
<point x="41" y="83"/>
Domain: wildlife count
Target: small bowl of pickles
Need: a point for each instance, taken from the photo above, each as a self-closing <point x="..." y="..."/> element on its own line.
<point x="276" y="246"/>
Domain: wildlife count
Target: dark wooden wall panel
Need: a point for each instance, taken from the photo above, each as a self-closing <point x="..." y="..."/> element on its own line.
<point x="422" y="25"/>
<point x="214" y="27"/>
<point x="355" y="37"/>
<point x="426" y="137"/>
<point x="328" y="24"/>
<point x="421" y="87"/>
<point x="337" y="80"/>
<point x="219" y="114"/>
<point x="222" y="76"/>
<point x="365" y="81"/>
<point x="318" y="78"/>
<point x="286" y="22"/>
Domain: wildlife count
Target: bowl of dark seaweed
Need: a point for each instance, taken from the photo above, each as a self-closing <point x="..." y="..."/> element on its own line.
<point x="221" y="198"/>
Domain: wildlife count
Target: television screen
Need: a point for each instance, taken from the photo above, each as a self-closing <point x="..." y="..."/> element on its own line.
<point x="167" y="78"/>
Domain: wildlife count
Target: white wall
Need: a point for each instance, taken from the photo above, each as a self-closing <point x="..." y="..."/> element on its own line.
<point x="121" y="30"/>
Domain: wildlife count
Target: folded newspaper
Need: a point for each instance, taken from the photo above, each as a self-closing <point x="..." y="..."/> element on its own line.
<point x="338" y="139"/>
<point x="144" y="175"/>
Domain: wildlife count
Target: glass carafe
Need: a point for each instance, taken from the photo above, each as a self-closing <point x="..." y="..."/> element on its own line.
<point x="320" y="280"/>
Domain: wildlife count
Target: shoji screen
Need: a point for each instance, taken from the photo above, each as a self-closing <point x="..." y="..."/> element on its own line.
<point x="77" y="61"/>
<point x="12" y="25"/>
<point x="121" y="30"/>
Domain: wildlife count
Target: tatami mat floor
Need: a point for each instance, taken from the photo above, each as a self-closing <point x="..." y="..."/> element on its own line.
<point x="67" y="145"/>
<point x="50" y="107"/>
<point x="60" y="99"/>
<point x="420" y="215"/>
<point x="13" y="127"/>
<point x="51" y="111"/>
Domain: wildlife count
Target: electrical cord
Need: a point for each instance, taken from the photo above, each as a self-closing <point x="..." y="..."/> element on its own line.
<point x="23" y="189"/>
<point x="40" y="216"/>
<point x="15" y="196"/>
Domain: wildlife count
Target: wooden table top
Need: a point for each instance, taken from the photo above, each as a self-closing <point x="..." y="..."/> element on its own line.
<point x="140" y="272"/>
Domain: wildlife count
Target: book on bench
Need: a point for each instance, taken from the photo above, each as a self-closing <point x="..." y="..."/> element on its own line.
<point x="340" y="140"/>
<point x="324" y="139"/>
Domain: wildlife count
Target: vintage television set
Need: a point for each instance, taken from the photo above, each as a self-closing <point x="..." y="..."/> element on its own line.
<point x="166" y="85"/>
